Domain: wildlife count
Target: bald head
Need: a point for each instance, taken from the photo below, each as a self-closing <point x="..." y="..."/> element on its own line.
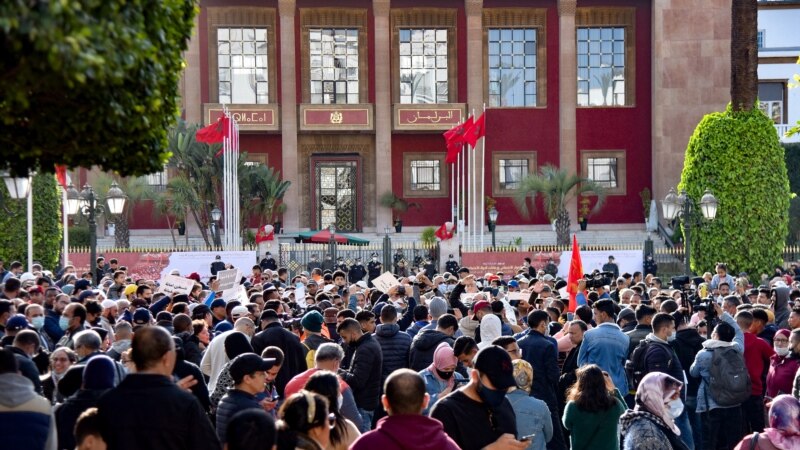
<point x="404" y="393"/>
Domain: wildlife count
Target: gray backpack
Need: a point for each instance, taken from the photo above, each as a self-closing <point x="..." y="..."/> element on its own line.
<point x="729" y="383"/>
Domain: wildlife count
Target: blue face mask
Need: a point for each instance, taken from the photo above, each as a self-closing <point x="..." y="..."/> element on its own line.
<point x="63" y="323"/>
<point x="492" y="397"/>
<point x="442" y="288"/>
<point x="38" y="322"/>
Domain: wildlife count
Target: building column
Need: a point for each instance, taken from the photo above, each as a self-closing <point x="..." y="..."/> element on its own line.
<point x="568" y="93"/>
<point x="383" y="112"/>
<point x="190" y="95"/>
<point x="288" y="74"/>
<point x="475" y="102"/>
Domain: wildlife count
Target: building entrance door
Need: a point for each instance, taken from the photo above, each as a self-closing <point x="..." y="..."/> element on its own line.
<point x="336" y="189"/>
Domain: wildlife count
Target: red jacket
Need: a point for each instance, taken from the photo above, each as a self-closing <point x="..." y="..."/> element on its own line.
<point x="781" y="375"/>
<point x="412" y="432"/>
<point x="757" y="354"/>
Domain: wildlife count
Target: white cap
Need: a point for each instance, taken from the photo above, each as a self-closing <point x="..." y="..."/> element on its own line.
<point x="328" y="288"/>
<point x="362" y="284"/>
<point x="239" y="311"/>
<point x="108" y="304"/>
<point x="175" y="272"/>
<point x="27" y="276"/>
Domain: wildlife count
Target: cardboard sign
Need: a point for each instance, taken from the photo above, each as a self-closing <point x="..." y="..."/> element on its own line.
<point x="467" y="297"/>
<point x="228" y="279"/>
<point x="385" y="282"/>
<point x="172" y="284"/>
<point x="236" y="293"/>
<point x="518" y="296"/>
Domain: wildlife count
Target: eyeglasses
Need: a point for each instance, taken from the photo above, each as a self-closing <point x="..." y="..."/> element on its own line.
<point x="782" y="341"/>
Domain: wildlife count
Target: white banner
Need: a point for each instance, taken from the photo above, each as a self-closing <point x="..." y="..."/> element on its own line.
<point x="171" y="284"/>
<point x="228" y="279"/>
<point x="200" y="262"/>
<point x="627" y="260"/>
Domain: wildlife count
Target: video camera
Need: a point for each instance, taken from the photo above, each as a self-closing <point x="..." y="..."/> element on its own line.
<point x="598" y="279"/>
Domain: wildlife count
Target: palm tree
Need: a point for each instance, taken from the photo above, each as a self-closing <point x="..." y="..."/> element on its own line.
<point x="136" y="189"/>
<point x="744" y="54"/>
<point x="557" y="188"/>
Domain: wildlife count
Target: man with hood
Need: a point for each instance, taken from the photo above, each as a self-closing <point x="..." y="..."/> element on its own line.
<point x="425" y="342"/>
<point x="780" y="304"/>
<point x="394" y="343"/>
<point x="25" y="417"/>
<point x="404" y="399"/>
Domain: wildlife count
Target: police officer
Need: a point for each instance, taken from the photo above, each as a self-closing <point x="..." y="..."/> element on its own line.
<point x="313" y="264"/>
<point x="217" y="265"/>
<point x="451" y="265"/>
<point x="327" y="265"/>
<point x="268" y="262"/>
<point x="357" y="272"/>
<point x="340" y="265"/>
<point x="398" y="256"/>
<point x="429" y="267"/>
<point x="650" y="266"/>
<point x="374" y="268"/>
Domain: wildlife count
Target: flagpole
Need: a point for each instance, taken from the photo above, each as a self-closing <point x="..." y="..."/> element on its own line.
<point x="473" y="188"/>
<point x="65" y="220"/>
<point x="483" y="178"/>
<point x="469" y="195"/>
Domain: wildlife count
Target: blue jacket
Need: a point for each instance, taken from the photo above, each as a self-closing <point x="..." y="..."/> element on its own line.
<point x="26" y="420"/>
<point x="607" y="346"/>
<point x="542" y="353"/>
<point x="54" y="332"/>
<point x="702" y="363"/>
<point x="533" y="417"/>
<point x="434" y="386"/>
<point x="395" y="345"/>
<point x="416" y="327"/>
<point x="233" y="402"/>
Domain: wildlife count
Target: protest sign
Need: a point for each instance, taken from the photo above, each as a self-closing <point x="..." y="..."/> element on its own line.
<point x="172" y="284"/>
<point x="385" y="282"/>
<point x="518" y="296"/>
<point x="228" y="279"/>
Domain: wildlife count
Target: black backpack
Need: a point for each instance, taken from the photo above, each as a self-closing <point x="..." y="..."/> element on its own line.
<point x="635" y="367"/>
<point x="729" y="382"/>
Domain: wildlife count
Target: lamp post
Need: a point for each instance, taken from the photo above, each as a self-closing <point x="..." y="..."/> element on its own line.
<point x="19" y="188"/>
<point x="493" y="222"/>
<point x="332" y="241"/>
<point x="87" y="205"/>
<point x="683" y="206"/>
<point x="387" y="247"/>
<point x="216" y="215"/>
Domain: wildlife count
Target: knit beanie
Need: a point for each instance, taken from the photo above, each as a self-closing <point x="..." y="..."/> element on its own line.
<point x="313" y="321"/>
<point x="99" y="373"/>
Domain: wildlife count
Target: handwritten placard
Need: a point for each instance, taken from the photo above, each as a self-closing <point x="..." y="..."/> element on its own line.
<point x="228" y="279"/>
<point x="172" y="284"/>
<point x="518" y="296"/>
<point x="385" y="282"/>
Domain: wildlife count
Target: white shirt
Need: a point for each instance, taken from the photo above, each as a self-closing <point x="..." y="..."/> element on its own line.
<point x="214" y="359"/>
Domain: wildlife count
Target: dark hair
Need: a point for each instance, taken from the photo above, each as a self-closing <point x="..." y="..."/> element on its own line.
<point x="93" y="307"/>
<point x="605" y="305"/>
<point x="661" y="320"/>
<point x="274" y="352"/>
<point x="8" y="362"/>
<point x="584" y="313"/>
<point x="464" y="345"/>
<point x="79" y="311"/>
<point x="388" y="313"/>
<point x="420" y="312"/>
<point x="589" y="391"/>
<point x="339" y="274"/>
<point x="249" y="429"/>
<point x="760" y="314"/>
<point x="181" y="323"/>
<point x="536" y="317"/>
<point x="405" y="392"/>
<point x="87" y="424"/>
<point x="326" y="384"/>
<point x="364" y="316"/>
<point x="447" y="321"/>
<point x="149" y="345"/>
<point x="294" y="425"/>
<point x="503" y="341"/>
<point x="580" y="323"/>
<point x="347" y="314"/>
<point x="349" y="325"/>
<point x="725" y="332"/>
<point x="643" y="311"/>
<point x="746" y="319"/>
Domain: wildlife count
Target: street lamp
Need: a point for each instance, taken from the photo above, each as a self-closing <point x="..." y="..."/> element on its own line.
<point x="332" y="241"/>
<point x="493" y="222"/>
<point x="19" y="188"/>
<point x="87" y="205"/>
<point x="682" y="206"/>
<point x="216" y="215"/>
<point x="387" y="247"/>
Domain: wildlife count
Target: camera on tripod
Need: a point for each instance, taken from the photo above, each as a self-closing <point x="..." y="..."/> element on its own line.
<point x="598" y="279"/>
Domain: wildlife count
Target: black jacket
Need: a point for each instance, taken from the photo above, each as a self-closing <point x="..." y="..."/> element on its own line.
<point x="423" y="346"/>
<point x="73" y="378"/>
<point x="542" y="353"/>
<point x="156" y="414"/>
<point x="364" y="373"/>
<point x="637" y="335"/>
<point x="356" y="273"/>
<point x="200" y="390"/>
<point x="394" y="346"/>
<point x="294" y="360"/>
<point x="233" y="402"/>
<point x="568" y="376"/>
<point x="27" y="368"/>
<point x="686" y="345"/>
<point x="661" y="357"/>
<point x="67" y="414"/>
<point x="191" y="347"/>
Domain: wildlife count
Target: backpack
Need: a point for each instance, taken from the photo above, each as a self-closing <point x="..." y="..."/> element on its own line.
<point x="729" y="382"/>
<point x="635" y="367"/>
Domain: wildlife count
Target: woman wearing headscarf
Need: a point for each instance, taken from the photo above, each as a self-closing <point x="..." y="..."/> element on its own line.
<point x="440" y="377"/>
<point x="235" y="345"/>
<point x="784" y="427"/>
<point x="533" y="415"/>
<point x="783" y="365"/>
<point x="650" y="425"/>
<point x="491" y="328"/>
<point x="593" y="410"/>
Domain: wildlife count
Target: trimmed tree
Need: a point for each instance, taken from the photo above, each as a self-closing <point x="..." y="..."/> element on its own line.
<point x="738" y="156"/>
<point x="47" y="230"/>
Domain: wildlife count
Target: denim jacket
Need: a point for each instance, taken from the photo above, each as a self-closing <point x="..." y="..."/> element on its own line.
<point x="434" y="385"/>
<point x="607" y="346"/>
<point x="533" y="417"/>
<point x="702" y="363"/>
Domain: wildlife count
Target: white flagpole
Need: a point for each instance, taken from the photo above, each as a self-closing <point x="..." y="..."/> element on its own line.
<point x="459" y="184"/>
<point x="468" y="203"/>
<point x="483" y="178"/>
<point x="65" y="224"/>
<point x="473" y="217"/>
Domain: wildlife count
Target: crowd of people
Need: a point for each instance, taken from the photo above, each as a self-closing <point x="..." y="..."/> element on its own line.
<point x="324" y="360"/>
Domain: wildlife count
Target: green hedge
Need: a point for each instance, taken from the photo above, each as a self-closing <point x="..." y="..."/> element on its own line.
<point x="78" y="236"/>
<point x="46" y="225"/>
<point x="793" y="168"/>
<point x="738" y="156"/>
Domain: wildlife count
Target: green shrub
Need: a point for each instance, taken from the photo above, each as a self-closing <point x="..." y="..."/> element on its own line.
<point x="428" y="235"/>
<point x="46" y="225"/>
<point x="78" y="236"/>
<point x="737" y="155"/>
<point x="793" y="168"/>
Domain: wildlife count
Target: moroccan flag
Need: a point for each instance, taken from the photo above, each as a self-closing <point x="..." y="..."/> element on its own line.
<point x="61" y="175"/>
<point x="265" y="233"/>
<point x="454" y="138"/>
<point x="214" y="133"/>
<point x="442" y="233"/>
<point x="575" y="274"/>
<point x="476" y="131"/>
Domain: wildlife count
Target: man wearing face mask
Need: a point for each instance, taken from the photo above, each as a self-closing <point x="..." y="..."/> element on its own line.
<point x="451" y="266"/>
<point x="313" y="264"/>
<point x="374" y="268"/>
<point x="757" y="354"/>
<point x="660" y="357"/>
<point x="364" y="372"/>
<point x="478" y="415"/>
<point x="34" y="314"/>
<point x="357" y="272"/>
<point x="71" y="322"/>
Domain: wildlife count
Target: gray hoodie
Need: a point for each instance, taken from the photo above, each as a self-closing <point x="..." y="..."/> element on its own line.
<point x="782" y="306"/>
<point x="34" y="426"/>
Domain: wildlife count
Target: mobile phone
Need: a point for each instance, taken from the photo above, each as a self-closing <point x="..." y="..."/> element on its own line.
<point x="527" y="438"/>
<point x="514" y="303"/>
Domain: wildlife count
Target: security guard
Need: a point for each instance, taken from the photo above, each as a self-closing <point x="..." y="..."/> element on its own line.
<point x="268" y="262"/>
<point x="340" y="265"/>
<point x="374" y="268"/>
<point x="451" y="265"/>
<point x="357" y="272"/>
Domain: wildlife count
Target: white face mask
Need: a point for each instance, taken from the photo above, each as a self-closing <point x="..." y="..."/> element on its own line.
<point x="672" y="336"/>
<point x="675" y="408"/>
<point x="782" y="351"/>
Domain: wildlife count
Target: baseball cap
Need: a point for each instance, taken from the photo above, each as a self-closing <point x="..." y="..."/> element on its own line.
<point x="479" y="305"/>
<point x="141" y="316"/>
<point x="495" y="363"/>
<point x="361" y="284"/>
<point x="627" y="314"/>
<point x="239" y="311"/>
<point x="82" y="284"/>
<point x="547" y="277"/>
<point x="16" y="323"/>
<point x="513" y="284"/>
<point x="247" y="364"/>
